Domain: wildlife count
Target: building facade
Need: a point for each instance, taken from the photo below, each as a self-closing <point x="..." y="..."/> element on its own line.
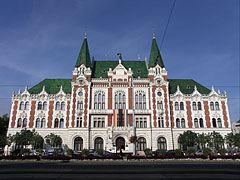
<point x="100" y="105"/>
<point x="236" y="127"/>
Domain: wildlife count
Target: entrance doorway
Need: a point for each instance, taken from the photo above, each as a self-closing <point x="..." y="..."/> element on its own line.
<point x="120" y="142"/>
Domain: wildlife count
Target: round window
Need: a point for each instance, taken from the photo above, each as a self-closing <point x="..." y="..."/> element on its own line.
<point x="80" y="93"/>
<point x="159" y="93"/>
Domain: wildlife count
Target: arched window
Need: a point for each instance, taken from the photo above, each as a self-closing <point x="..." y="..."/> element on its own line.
<point x="178" y="123"/>
<point x="19" y="123"/>
<point x="181" y="106"/>
<point x="57" y="105"/>
<point x="201" y="122"/>
<point x="140" y="100"/>
<point x="39" y="105"/>
<point x="199" y="106"/>
<point x="61" y="123"/>
<point x="217" y="105"/>
<point x="141" y="144"/>
<point x="162" y="143"/>
<point x="43" y="122"/>
<point x="183" y="123"/>
<point x="24" y="122"/>
<point x="98" y="143"/>
<point x="219" y="122"/>
<point x="99" y="100"/>
<point x="160" y="122"/>
<point x="45" y="105"/>
<point x="211" y="106"/>
<point x="194" y="106"/>
<point x="21" y="107"/>
<point x="62" y="105"/>
<point x="196" y="123"/>
<point x="214" y="123"/>
<point x="120" y="102"/>
<point x="176" y="106"/>
<point x="27" y="105"/>
<point x="37" y="123"/>
<point x="56" y="123"/>
<point x="78" y="144"/>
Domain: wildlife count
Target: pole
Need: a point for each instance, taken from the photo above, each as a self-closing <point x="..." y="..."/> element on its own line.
<point x="133" y="109"/>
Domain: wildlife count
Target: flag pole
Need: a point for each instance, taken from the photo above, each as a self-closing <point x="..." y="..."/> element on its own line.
<point x="133" y="109"/>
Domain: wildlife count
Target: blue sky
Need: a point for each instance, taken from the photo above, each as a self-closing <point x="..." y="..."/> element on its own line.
<point x="41" y="39"/>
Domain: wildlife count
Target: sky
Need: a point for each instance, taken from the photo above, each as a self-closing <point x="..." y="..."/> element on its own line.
<point x="41" y="39"/>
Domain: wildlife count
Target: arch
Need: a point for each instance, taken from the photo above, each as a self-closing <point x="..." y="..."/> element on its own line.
<point x="62" y="105"/>
<point x="57" y="106"/>
<point x="178" y="123"/>
<point x="43" y="123"/>
<point x="199" y="106"/>
<point x="78" y="144"/>
<point x="196" y="125"/>
<point x="39" y="105"/>
<point x="211" y="105"/>
<point x="176" y="106"/>
<point x="201" y="122"/>
<point x="194" y="106"/>
<point x="45" y="105"/>
<point x="98" y="143"/>
<point x="183" y="123"/>
<point x="217" y="106"/>
<point x="37" y="123"/>
<point x="27" y="105"/>
<point x="21" y="107"/>
<point x="24" y="124"/>
<point x="162" y="143"/>
<point x="56" y="121"/>
<point x="181" y="106"/>
<point x="219" y="122"/>
<point x="120" y="143"/>
<point x="61" y="124"/>
<point x="141" y="144"/>
<point x="19" y="123"/>
<point x="214" y="124"/>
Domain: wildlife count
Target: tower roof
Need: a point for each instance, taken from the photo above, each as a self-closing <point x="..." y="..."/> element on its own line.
<point x="155" y="56"/>
<point x="84" y="55"/>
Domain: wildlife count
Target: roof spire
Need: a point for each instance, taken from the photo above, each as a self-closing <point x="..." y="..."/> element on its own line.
<point x="84" y="55"/>
<point x="155" y="56"/>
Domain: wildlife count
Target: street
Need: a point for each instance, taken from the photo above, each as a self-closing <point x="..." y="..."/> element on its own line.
<point x="119" y="170"/>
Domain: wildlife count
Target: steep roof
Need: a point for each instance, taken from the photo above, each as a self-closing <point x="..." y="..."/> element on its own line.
<point x="186" y="86"/>
<point x="84" y="55"/>
<point x="155" y="56"/>
<point x="100" y="68"/>
<point x="52" y="86"/>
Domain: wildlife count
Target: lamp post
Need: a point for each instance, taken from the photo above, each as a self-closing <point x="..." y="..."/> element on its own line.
<point x="133" y="111"/>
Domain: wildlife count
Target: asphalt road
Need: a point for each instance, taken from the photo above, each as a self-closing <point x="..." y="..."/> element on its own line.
<point x="118" y="170"/>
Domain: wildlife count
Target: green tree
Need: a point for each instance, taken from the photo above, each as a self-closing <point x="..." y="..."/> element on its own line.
<point x="22" y="139"/>
<point x="229" y="138"/>
<point x="36" y="141"/>
<point x="53" y="140"/>
<point x="216" y="141"/>
<point x="4" y="120"/>
<point x="202" y="140"/>
<point x="188" y="139"/>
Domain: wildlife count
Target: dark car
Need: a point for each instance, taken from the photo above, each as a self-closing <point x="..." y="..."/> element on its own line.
<point x="107" y="153"/>
<point x="170" y="153"/>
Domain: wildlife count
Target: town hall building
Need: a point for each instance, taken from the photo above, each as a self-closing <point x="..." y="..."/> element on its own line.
<point x="107" y="102"/>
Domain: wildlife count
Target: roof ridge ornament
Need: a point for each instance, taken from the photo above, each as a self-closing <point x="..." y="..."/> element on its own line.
<point x="119" y="58"/>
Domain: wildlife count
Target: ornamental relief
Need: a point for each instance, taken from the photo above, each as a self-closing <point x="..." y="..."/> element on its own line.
<point x="41" y="115"/>
<point x="179" y="115"/>
<point x="23" y="115"/>
<point x="59" y="115"/>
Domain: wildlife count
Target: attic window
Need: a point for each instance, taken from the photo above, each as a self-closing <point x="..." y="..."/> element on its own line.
<point x="58" y="86"/>
<point x="188" y="86"/>
<point x="138" y="71"/>
<point x="104" y="71"/>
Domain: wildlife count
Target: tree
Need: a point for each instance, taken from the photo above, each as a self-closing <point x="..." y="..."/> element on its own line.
<point x="22" y="139"/>
<point x="188" y="139"/>
<point x="36" y="141"/>
<point x="236" y="140"/>
<point x="202" y="140"/>
<point x="53" y="140"/>
<point x="216" y="141"/>
<point x="4" y="124"/>
<point x="229" y="138"/>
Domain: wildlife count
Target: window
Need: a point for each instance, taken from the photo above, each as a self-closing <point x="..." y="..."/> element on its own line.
<point x="176" y="106"/>
<point x="183" y="123"/>
<point x="78" y="144"/>
<point x="45" y="105"/>
<point x="162" y="143"/>
<point x="194" y="106"/>
<point x="199" y="106"/>
<point x="160" y="122"/>
<point x="140" y="100"/>
<point x="196" y="123"/>
<point x="80" y="105"/>
<point x="99" y="100"/>
<point x="39" y="105"/>
<point x="214" y="123"/>
<point x="21" y="107"/>
<point x="181" y="106"/>
<point x="61" y="123"/>
<point x="79" y="122"/>
<point x="219" y="122"/>
<point x="98" y="143"/>
<point x="211" y="106"/>
<point x="141" y="144"/>
<point x="159" y="105"/>
<point x="99" y="122"/>
<point x="201" y="122"/>
<point x="217" y="105"/>
<point x="27" y="105"/>
<point x="178" y="123"/>
<point x="19" y="123"/>
<point x="62" y="105"/>
<point x="120" y="100"/>
<point x="24" y="122"/>
<point x="43" y="122"/>
<point x="57" y="105"/>
<point x="37" y="123"/>
<point x="141" y="122"/>
<point x="56" y="122"/>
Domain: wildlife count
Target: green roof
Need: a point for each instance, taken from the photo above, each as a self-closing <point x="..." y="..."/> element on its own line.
<point x="52" y="86"/>
<point x="186" y="86"/>
<point x="84" y="55"/>
<point x="155" y="56"/>
<point x="100" y="68"/>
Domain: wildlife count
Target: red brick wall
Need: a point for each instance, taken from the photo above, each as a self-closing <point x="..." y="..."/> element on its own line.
<point x="166" y="104"/>
<point x="110" y="98"/>
<point x="68" y="112"/>
<point x="171" y="113"/>
<point x="110" y="119"/>
<point x="32" y="114"/>
<point x="207" y="117"/>
<point x="15" y="107"/>
<point x="50" y="114"/>
<point x="154" y="107"/>
<point x="130" y="118"/>
<point x="130" y="96"/>
<point x="189" y="114"/>
<point x="224" y="111"/>
<point x="86" y="106"/>
<point x="74" y="105"/>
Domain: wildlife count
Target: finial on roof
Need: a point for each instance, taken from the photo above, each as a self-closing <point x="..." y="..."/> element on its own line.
<point x="13" y="93"/>
<point x="85" y="35"/>
<point x="219" y="91"/>
<point x="225" y="93"/>
<point x="43" y="88"/>
<point x="26" y="88"/>
<point x="178" y="89"/>
<point x="119" y="58"/>
<point x="19" y="91"/>
<point x="154" y="35"/>
<point x="61" y="88"/>
<point x="195" y="88"/>
<point x="213" y="88"/>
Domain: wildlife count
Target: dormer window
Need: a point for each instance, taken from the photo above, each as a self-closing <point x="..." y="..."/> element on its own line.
<point x="104" y="71"/>
<point x="58" y="86"/>
<point x="81" y="70"/>
<point x="157" y="70"/>
<point x="138" y="71"/>
<point x="188" y="86"/>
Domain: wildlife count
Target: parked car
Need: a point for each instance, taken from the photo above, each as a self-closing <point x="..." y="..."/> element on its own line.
<point x="92" y="152"/>
<point x="170" y="153"/>
<point x="107" y="153"/>
<point x="199" y="152"/>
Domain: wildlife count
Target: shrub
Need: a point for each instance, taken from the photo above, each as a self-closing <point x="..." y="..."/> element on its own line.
<point x="148" y="152"/>
<point x="191" y="151"/>
<point x="25" y="151"/>
<point x="99" y="151"/>
<point x="39" y="151"/>
<point x="222" y="151"/>
<point x="162" y="152"/>
<point x="178" y="152"/>
<point x="85" y="152"/>
<point x="70" y="152"/>
<point x="206" y="151"/>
